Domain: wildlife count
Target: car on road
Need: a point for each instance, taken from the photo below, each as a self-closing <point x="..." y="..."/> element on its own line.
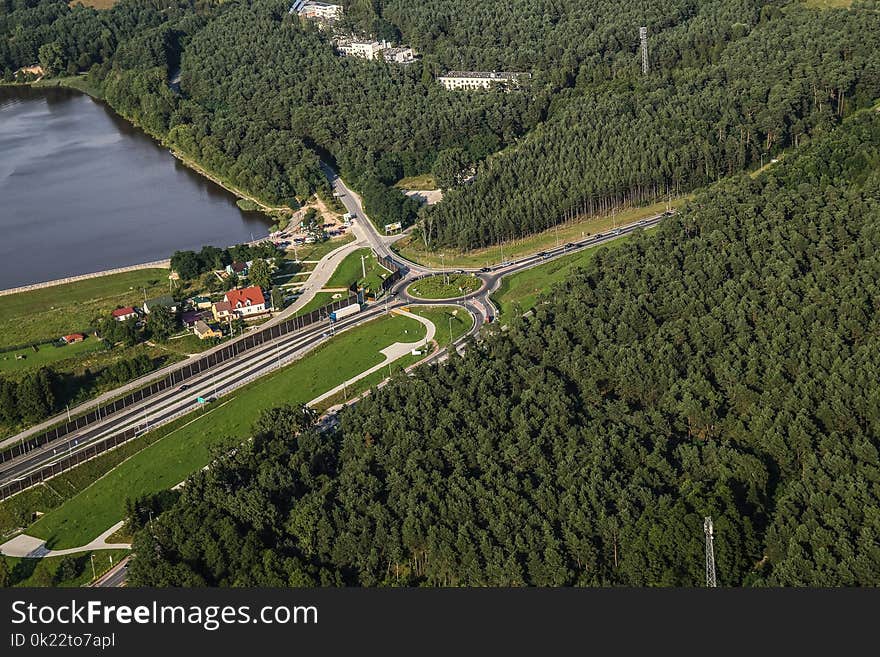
<point x="597" y="236"/>
<point x="541" y="254"/>
<point x="185" y="386"/>
<point x="485" y="269"/>
<point x="668" y="213"/>
<point x="569" y="245"/>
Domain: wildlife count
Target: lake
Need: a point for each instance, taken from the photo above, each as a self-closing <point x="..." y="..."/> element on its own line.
<point x="82" y="190"/>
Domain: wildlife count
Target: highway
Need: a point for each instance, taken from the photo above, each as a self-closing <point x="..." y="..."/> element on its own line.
<point x="215" y="383"/>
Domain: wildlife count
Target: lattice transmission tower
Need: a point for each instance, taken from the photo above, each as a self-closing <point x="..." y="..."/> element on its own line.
<point x="711" y="582"/>
<point x="643" y="37"/>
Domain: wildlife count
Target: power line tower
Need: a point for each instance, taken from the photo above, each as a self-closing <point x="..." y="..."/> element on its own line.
<point x="643" y="37"/>
<point x="711" y="582"/>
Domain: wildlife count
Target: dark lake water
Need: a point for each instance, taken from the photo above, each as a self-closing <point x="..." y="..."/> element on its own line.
<point x="82" y="191"/>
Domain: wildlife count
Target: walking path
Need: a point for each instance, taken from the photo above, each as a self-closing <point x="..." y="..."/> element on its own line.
<point x="35" y="548"/>
<point x="391" y="353"/>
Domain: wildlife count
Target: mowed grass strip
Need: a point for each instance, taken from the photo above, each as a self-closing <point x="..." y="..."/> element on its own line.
<point x="414" y="249"/>
<point x="48" y="313"/>
<point x="524" y="288"/>
<point x="187" y="448"/>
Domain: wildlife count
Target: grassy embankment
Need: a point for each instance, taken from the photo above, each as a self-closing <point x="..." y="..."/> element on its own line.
<point x="45" y="572"/>
<point x="414" y="250"/>
<point x="445" y="287"/>
<point x="449" y="320"/>
<point x="185" y="446"/>
<point x="350" y="270"/>
<point x="523" y="289"/>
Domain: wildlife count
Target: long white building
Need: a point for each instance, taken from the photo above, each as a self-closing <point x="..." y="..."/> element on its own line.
<point x="455" y="80"/>
<point x="316" y="10"/>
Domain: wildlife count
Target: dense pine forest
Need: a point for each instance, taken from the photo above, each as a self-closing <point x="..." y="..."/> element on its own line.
<point x="724" y="365"/>
<point x="263" y="97"/>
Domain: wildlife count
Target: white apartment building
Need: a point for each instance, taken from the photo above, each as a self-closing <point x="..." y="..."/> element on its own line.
<point x="363" y="49"/>
<point x="455" y="80"/>
<point x="316" y="10"/>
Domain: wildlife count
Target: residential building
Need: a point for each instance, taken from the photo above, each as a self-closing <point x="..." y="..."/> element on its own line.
<point x="363" y="49"/>
<point x="205" y="331"/>
<point x="73" y="337"/>
<point x="166" y="301"/>
<point x="238" y="268"/>
<point x="246" y="302"/>
<point x="456" y="80"/>
<point x="399" y="55"/>
<point x="202" y="303"/>
<point x="190" y="317"/>
<point x="316" y="10"/>
<point x="122" y="314"/>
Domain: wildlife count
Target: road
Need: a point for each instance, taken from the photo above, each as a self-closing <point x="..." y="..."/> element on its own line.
<point x="114" y="577"/>
<point x="214" y="383"/>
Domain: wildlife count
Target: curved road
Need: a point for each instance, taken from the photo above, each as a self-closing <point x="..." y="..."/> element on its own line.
<point x="254" y="363"/>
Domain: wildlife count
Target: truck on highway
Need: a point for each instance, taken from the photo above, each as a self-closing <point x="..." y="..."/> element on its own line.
<point x="346" y="311"/>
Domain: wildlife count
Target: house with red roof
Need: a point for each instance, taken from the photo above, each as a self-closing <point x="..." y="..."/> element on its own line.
<point x="122" y="314"/>
<point x="246" y="302"/>
<point x="73" y="337"/>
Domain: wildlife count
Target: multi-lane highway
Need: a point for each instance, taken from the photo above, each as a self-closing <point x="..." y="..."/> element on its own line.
<point x="214" y="383"/>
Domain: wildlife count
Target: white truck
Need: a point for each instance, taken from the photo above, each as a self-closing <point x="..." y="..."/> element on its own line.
<point x="345" y="311"/>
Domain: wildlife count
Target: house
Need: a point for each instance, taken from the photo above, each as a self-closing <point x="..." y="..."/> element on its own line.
<point x="190" y="317"/>
<point x="222" y="310"/>
<point x="238" y="268"/>
<point x="166" y="301"/>
<point x="73" y="337"/>
<point x="202" y="303"/>
<point x="122" y="314"/>
<point x="246" y="302"/>
<point x="204" y="330"/>
<point x="456" y="80"/>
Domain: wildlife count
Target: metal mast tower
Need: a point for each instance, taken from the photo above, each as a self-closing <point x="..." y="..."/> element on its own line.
<point x="711" y="582"/>
<point x="643" y="37"/>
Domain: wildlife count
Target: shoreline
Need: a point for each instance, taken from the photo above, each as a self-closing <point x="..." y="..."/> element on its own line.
<point x="66" y="83"/>
<point x="157" y="264"/>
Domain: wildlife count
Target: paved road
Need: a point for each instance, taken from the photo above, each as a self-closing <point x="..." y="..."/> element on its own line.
<point x="114" y="577"/>
<point x="256" y="362"/>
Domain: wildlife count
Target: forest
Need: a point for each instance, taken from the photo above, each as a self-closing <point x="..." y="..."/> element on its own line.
<point x="263" y="98"/>
<point x="724" y="365"/>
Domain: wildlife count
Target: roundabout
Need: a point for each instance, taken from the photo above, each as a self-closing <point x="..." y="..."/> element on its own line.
<point x="444" y="287"/>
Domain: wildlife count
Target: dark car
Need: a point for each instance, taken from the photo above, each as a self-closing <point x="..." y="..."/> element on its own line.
<point x="185" y="386"/>
<point x="541" y="254"/>
<point x="484" y="269"/>
<point x="569" y="245"/>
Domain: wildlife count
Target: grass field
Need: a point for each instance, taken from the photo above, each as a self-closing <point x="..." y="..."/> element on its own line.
<point x="444" y="287"/>
<point x="44" y="572"/>
<point x="439" y="315"/>
<point x="320" y="299"/>
<point x="415" y="251"/>
<point x="46" y="354"/>
<point x="50" y="312"/>
<point x="524" y="288"/>
<point x="461" y="321"/>
<point x="424" y="181"/>
<point x="187" y="447"/>
<point x="350" y="271"/>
